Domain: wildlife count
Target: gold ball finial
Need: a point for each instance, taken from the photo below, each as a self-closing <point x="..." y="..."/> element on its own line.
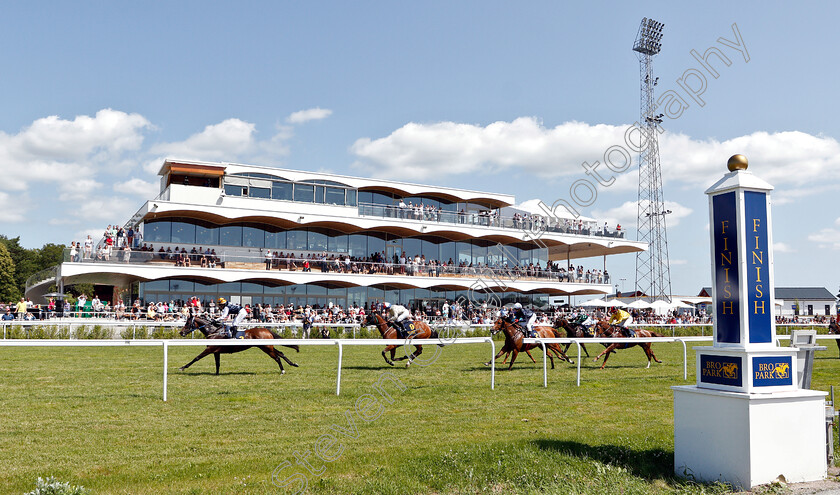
<point x="737" y="162"/>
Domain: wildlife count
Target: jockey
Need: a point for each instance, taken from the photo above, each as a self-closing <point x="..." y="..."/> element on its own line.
<point x="232" y="309"/>
<point x="622" y="318"/>
<point x="526" y="317"/>
<point x="585" y="320"/>
<point x="401" y="317"/>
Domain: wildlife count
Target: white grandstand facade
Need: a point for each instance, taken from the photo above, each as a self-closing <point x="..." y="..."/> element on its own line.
<point x="247" y="233"/>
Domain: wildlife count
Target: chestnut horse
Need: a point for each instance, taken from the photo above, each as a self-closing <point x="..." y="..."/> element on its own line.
<point x="422" y="331"/>
<point x="513" y="341"/>
<point x="834" y="329"/>
<point x="213" y="331"/>
<point x="604" y="329"/>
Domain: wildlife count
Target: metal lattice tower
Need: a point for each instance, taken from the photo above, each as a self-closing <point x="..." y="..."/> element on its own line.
<point x="653" y="274"/>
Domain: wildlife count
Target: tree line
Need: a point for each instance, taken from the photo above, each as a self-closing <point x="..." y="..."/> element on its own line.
<point x="18" y="263"/>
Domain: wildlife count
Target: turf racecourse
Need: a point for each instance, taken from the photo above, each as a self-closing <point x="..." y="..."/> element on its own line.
<point x="94" y="416"/>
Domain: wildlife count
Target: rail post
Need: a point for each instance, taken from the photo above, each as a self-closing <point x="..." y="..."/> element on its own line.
<point x="577" y="343"/>
<point x="338" y="378"/>
<point x="492" y="363"/>
<point x="165" y="367"/>
<point x="545" y="366"/>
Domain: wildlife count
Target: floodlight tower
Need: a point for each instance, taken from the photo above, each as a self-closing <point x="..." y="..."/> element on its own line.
<point x="653" y="274"/>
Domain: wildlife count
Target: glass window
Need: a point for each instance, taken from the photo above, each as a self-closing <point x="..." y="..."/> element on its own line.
<point x="317" y="290"/>
<point x="156" y="285"/>
<point x="412" y="247"/>
<point x="230" y="289"/>
<point x="206" y="288"/>
<point x="251" y="288"/>
<point x="157" y="231"/>
<point x="260" y="192"/>
<point x="319" y="194"/>
<point x="382" y="199"/>
<point x="305" y="193"/>
<point x="253" y="237"/>
<point x="335" y="196"/>
<point x="357" y="295"/>
<point x="183" y="233"/>
<point x="207" y="235"/>
<point x="375" y="245"/>
<point x="357" y="245"/>
<point x="317" y="241"/>
<point x="479" y="254"/>
<point x="464" y="253"/>
<point x="365" y="197"/>
<point x="275" y="240"/>
<point x="337" y="244"/>
<point x="281" y="190"/>
<point x="181" y="286"/>
<point x="448" y="252"/>
<point x="230" y="235"/>
<point x="235" y="190"/>
<point x="296" y="239"/>
<point x="431" y="250"/>
<point x="351" y="197"/>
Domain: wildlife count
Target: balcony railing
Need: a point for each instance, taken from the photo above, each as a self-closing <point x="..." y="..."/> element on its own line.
<point x="246" y="262"/>
<point x="534" y="223"/>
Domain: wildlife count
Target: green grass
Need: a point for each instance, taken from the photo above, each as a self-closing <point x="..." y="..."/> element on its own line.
<point x="94" y="417"/>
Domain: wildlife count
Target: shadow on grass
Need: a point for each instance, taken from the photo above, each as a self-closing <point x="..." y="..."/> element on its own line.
<point x="648" y="464"/>
<point x="221" y="373"/>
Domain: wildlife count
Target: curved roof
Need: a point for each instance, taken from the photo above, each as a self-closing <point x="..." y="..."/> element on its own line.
<point x="490" y="200"/>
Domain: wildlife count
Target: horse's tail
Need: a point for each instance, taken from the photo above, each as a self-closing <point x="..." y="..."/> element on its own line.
<point x="296" y="348"/>
<point x="434" y="335"/>
<point x="654" y="334"/>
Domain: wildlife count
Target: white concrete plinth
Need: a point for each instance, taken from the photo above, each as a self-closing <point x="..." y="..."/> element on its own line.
<point x="749" y="439"/>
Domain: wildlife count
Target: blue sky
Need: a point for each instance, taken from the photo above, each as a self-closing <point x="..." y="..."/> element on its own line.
<point x="484" y="95"/>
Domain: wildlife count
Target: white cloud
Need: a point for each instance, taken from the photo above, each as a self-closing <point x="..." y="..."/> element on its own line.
<point x="223" y="141"/>
<point x="78" y="189"/>
<point x="781" y="247"/>
<point x="826" y="238"/>
<point x="419" y="151"/>
<point x="627" y="213"/>
<point x="138" y="187"/>
<point x="53" y="149"/>
<point x="14" y="207"/>
<point x="781" y="158"/>
<point x="302" y="116"/>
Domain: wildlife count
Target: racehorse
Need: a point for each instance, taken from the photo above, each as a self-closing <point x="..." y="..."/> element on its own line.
<point x="573" y="331"/>
<point x="422" y="331"/>
<point x="604" y="329"/>
<point x="212" y="331"/>
<point x="513" y="341"/>
<point x="834" y="329"/>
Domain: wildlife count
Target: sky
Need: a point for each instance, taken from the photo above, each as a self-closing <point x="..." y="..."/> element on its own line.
<point x="487" y="95"/>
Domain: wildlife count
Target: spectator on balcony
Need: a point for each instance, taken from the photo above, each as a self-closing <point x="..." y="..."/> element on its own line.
<point x="126" y="254"/>
<point x="268" y="259"/>
<point x="88" y="247"/>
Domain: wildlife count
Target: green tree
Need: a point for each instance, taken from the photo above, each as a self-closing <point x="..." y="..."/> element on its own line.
<point x="8" y="287"/>
<point x="25" y="261"/>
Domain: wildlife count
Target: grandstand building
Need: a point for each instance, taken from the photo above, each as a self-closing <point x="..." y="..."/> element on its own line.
<point x="267" y="235"/>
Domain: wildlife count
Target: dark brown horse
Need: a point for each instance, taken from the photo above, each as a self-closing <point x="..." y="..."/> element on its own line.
<point x="605" y="330"/>
<point x="213" y="331"/>
<point x="573" y="331"/>
<point x="834" y="329"/>
<point x="513" y="341"/>
<point x="422" y="331"/>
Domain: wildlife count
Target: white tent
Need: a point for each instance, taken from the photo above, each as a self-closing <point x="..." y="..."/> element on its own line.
<point x="639" y="304"/>
<point x="617" y="303"/>
<point x="596" y="303"/>
<point x="661" y="305"/>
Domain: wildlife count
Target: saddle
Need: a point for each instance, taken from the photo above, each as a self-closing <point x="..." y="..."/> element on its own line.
<point x="585" y="330"/>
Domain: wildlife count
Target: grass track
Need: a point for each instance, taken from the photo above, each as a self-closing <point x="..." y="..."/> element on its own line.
<point x="94" y="416"/>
